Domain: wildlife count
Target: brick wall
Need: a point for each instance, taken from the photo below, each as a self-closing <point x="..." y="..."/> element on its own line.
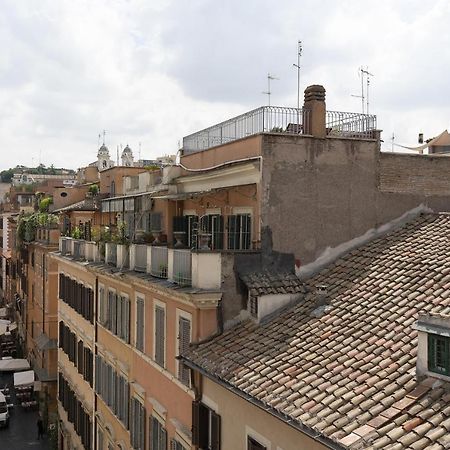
<point x="415" y="174"/>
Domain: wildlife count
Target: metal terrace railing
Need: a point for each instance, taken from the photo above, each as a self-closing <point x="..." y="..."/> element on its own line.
<point x="277" y="119"/>
<point x="182" y="267"/>
<point x="347" y="124"/>
<point x="159" y="262"/>
<point x="140" y="262"/>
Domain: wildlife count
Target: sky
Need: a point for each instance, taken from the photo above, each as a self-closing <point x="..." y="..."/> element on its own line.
<point x="149" y="72"/>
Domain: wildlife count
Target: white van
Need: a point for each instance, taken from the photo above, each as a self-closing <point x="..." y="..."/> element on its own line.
<point x="4" y="412"/>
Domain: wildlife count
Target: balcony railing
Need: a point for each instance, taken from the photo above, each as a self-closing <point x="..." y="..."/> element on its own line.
<point x="140" y="257"/>
<point x="159" y="262"/>
<point x="78" y="249"/>
<point x="347" y="124"/>
<point x="182" y="267"/>
<point x="111" y="253"/>
<point x="277" y="119"/>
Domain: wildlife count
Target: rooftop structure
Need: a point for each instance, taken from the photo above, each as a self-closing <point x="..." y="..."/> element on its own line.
<point x="342" y="368"/>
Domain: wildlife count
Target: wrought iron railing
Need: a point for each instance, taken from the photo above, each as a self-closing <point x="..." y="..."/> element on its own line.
<point x="159" y="262"/>
<point x="345" y="124"/>
<point x="277" y="119"/>
<point x="182" y="267"/>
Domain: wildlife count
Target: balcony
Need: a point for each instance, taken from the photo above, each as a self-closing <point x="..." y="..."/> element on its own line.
<point x="276" y="119"/>
<point x="79" y="249"/>
<point x="183" y="267"/>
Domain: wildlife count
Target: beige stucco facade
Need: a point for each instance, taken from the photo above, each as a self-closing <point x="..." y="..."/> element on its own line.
<point x="240" y="419"/>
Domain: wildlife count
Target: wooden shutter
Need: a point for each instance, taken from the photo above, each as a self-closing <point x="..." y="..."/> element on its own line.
<point x="215" y="431"/>
<point x="159" y="335"/>
<point x="203" y="426"/>
<point x="184" y="339"/>
<point x="195" y="422"/>
<point x="126" y="324"/>
<point x="120" y="315"/>
<point x="140" y="320"/>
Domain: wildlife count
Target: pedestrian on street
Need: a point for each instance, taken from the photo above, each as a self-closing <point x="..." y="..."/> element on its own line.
<point x="40" y="427"/>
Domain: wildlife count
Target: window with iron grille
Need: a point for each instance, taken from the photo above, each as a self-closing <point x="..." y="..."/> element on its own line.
<point x="155" y="221"/>
<point x="253" y="444"/>
<point x="439" y="354"/>
<point x="188" y="225"/>
<point x="158" y="435"/>
<point x="205" y="427"/>
<point x="160" y="335"/>
<point x="140" y="323"/>
<point x="212" y="224"/>
<point x="184" y="339"/>
<point x="239" y="232"/>
<point x="137" y="425"/>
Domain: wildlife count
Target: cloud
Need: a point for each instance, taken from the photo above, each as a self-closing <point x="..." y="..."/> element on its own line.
<point x="152" y="72"/>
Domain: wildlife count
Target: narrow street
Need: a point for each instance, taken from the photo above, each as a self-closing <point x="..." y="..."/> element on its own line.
<point x="22" y="431"/>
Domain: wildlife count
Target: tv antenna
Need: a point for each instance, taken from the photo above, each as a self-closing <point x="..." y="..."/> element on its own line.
<point x="392" y="142"/>
<point x="368" y="75"/>
<point x="364" y="74"/>
<point x="299" y="54"/>
<point x="269" y="79"/>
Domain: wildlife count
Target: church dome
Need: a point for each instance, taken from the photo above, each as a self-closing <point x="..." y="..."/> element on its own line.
<point x="103" y="151"/>
<point x="126" y="151"/>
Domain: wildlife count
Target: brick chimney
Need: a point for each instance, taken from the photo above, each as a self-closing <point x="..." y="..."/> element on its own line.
<point x="314" y="111"/>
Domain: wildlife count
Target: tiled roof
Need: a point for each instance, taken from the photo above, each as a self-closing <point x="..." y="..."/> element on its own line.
<point x="349" y="374"/>
<point x="86" y="204"/>
<point x="265" y="283"/>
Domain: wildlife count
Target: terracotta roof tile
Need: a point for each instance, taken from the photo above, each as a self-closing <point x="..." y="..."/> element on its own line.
<point x="350" y="374"/>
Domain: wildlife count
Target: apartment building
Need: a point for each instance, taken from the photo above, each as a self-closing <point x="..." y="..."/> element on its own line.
<point x="42" y="317"/>
<point x="174" y="253"/>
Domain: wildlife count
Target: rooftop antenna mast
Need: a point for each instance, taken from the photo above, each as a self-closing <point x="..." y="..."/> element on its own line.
<point x="104" y="134"/>
<point x="299" y="54"/>
<point x="392" y="142"/>
<point x="368" y="75"/>
<point x="140" y="150"/>
<point x="361" y="74"/>
<point x="269" y="79"/>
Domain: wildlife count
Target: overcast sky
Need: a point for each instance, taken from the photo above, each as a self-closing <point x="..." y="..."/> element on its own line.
<point x="152" y="71"/>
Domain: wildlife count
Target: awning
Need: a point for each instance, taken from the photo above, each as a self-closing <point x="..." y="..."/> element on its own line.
<point x="43" y="342"/>
<point x="24" y="378"/>
<point x="13" y="365"/>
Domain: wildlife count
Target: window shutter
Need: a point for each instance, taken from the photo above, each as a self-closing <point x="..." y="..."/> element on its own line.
<point x="215" y="431"/>
<point x="163" y="439"/>
<point x="120" y="315"/>
<point x="140" y="324"/>
<point x="159" y="335"/>
<point x="184" y="326"/>
<point x="127" y="321"/>
<point x="203" y="426"/>
<point x="195" y="422"/>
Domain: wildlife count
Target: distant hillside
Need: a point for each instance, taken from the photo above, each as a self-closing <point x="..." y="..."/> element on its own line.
<point x="7" y="174"/>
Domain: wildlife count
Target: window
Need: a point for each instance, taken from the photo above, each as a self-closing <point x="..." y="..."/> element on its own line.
<point x="188" y="225"/>
<point x="212" y="224"/>
<point x="160" y="334"/>
<point x="184" y="339"/>
<point x="100" y="439"/>
<point x="239" y="232"/>
<point x="137" y="425"/>
<point x="176" y="445"/>
<point x="439" y="354"/>
<point x="140" y="323"/>
<point x="253" y="444"/>
<point x="205" y="427"/>
<point x="158" y="435"/>
<point x="102" y="305"/>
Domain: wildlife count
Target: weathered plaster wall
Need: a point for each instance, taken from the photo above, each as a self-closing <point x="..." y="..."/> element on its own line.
<point x="318" y="193"/>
